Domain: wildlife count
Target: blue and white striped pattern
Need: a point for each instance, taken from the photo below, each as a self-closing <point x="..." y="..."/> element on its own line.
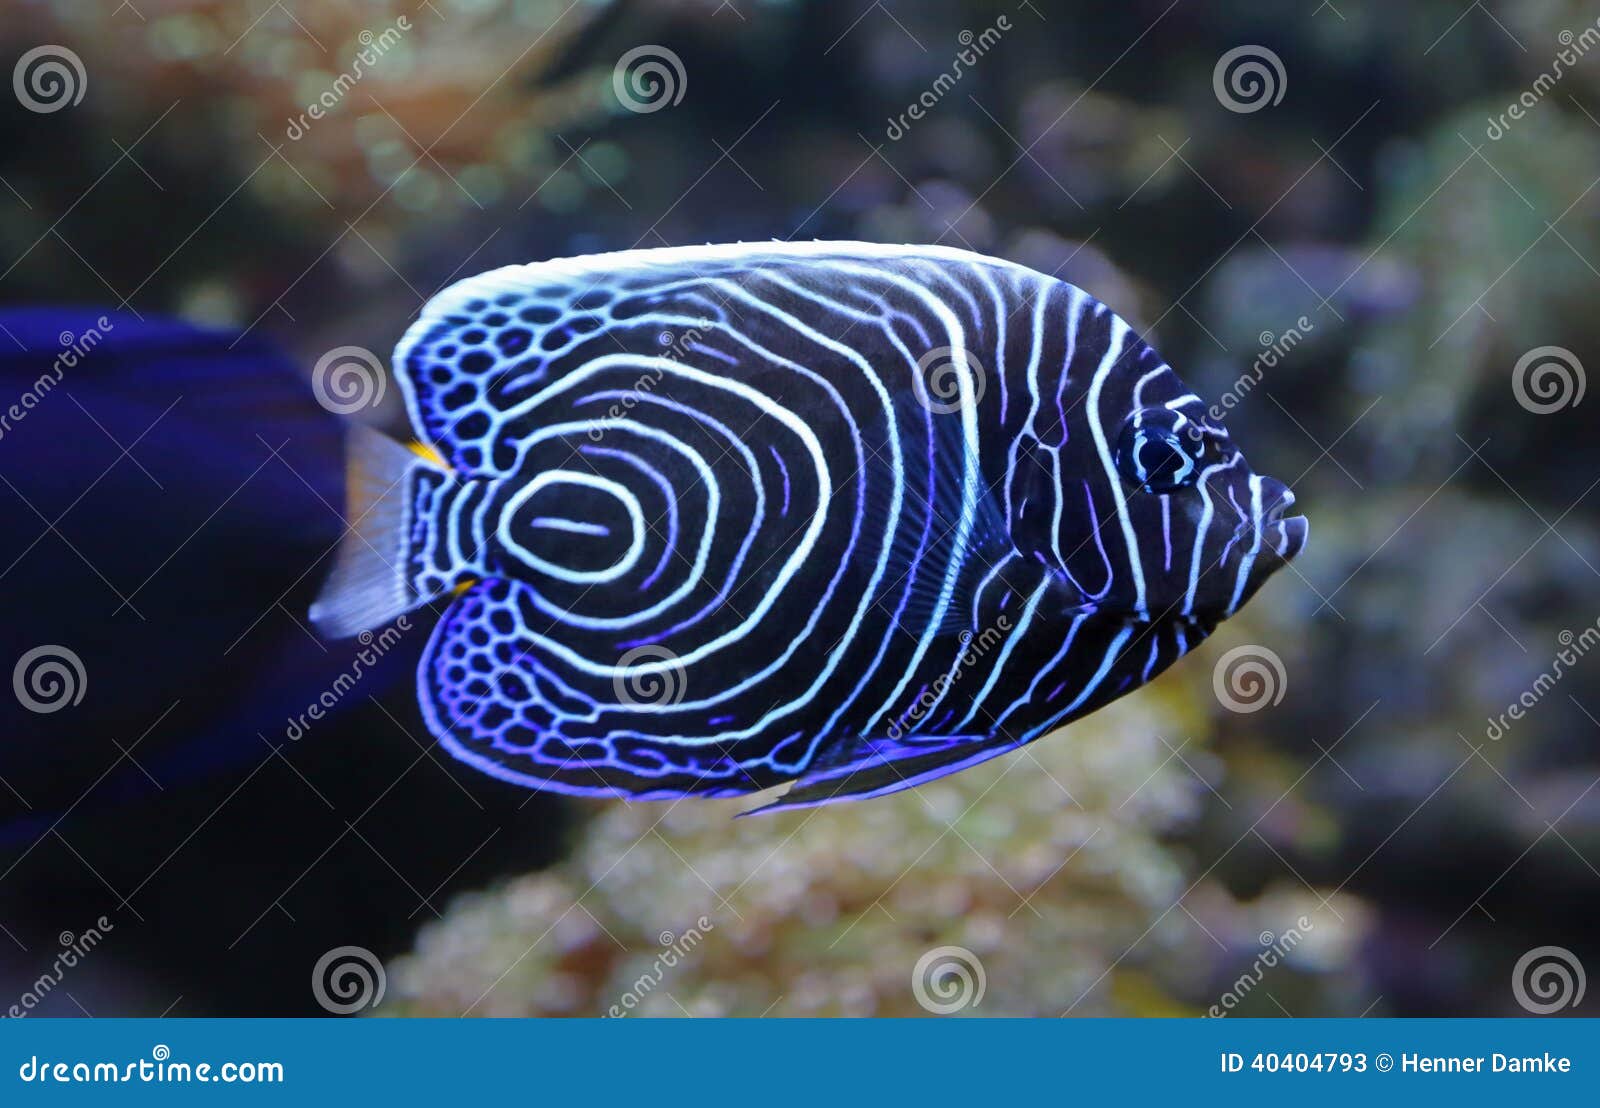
<point x="858" y="515"/>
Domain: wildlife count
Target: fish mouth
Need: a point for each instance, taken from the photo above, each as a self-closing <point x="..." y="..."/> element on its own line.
<point x="1284" y="535"/>
<point x="1288" y="536"/>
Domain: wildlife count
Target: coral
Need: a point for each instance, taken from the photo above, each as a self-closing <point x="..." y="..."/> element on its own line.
<point x="1048" y="866"/>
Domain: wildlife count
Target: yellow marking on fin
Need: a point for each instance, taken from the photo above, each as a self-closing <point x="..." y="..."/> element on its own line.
<point x="427" y="453"/>
<point x="462" y="588"/>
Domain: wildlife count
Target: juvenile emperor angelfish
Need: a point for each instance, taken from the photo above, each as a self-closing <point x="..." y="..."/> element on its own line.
<point x="707" y="520"/>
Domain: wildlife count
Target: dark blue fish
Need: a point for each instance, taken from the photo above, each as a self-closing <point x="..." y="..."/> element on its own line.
<point x="167" y="486"/>
<point x="848" y="515"/>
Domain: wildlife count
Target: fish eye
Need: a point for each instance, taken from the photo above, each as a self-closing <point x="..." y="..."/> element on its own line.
<point x="1159" y="450"/>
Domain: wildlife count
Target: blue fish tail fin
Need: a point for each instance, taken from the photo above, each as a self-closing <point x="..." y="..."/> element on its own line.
<point x="372" y="580"/>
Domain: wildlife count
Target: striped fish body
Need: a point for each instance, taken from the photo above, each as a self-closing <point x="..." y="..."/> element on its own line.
<point x="727" y="517"/>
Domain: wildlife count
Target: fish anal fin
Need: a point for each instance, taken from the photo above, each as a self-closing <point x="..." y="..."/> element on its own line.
<point x="863" y="767"/>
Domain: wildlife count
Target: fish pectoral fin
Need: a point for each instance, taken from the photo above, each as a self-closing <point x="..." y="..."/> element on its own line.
<point x="946" y="500"/>
<point x="863" y="767"/>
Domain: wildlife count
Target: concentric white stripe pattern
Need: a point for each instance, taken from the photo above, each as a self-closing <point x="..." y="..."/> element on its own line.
<point x="713" y="475"/>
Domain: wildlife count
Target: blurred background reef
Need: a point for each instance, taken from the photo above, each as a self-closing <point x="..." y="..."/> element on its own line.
<point x="1139" y="862"/>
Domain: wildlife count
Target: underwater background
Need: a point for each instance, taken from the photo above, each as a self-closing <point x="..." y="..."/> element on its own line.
<point x="1368" y="231"/>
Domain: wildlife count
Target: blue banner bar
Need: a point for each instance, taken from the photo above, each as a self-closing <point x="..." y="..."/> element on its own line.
<point x="957" y="1061"/>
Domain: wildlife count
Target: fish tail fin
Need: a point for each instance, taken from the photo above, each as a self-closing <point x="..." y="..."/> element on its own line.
<point x="371" y="582"/>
